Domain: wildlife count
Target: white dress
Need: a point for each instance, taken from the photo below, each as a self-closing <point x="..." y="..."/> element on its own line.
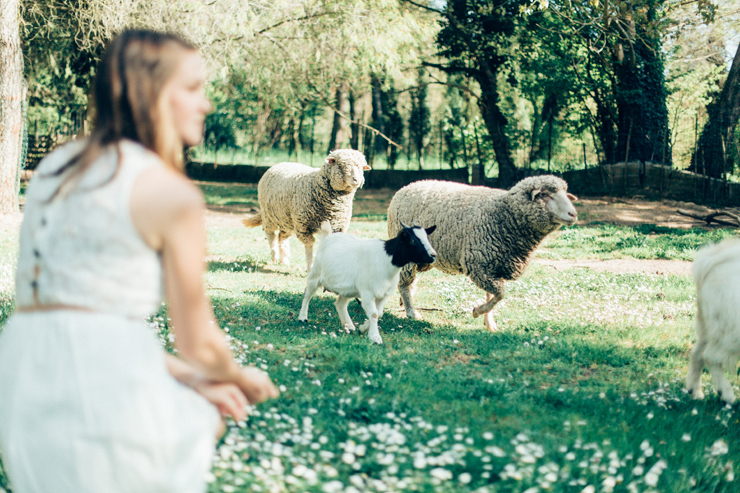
<point x="86" y="402"/>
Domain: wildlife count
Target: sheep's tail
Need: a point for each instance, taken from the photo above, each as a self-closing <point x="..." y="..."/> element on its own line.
<point x="252" y="220"/>
<point x="712" y="256"/>
<point x="324" y="229"/>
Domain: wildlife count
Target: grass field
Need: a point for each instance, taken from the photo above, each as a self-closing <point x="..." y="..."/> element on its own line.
<point x="580" y="390"/>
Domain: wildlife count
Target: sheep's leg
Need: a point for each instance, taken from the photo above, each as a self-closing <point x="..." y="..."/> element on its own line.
<point x="273" y="241"/>
<point x="486" y="308"/>
<point x="380" y="304"/>
<point x="312" y="285"/>
<point x="693" y="378"/>
<point x="406" y="288"/>
<point x="724" y="388"/>
<point x="495" y="290"/>
<point x="488" y="316"/>
<point x="309" y="255"/>
<point x="371" y="324"/>
<point x="308" y="241"/>
<point x="284" y="248"/>
<point x="696" y="364"/>
<point x="344" y="317"/>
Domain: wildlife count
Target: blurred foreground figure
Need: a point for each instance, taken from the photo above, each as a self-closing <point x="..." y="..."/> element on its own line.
<point x="89" y="400"/>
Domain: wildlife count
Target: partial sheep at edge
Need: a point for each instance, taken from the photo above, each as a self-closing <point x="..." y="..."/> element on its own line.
<point x="716" y="271"/>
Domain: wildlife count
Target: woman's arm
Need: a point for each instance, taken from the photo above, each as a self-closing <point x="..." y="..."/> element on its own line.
<point x="168" y="212"/>
<point x="227" y="397"/>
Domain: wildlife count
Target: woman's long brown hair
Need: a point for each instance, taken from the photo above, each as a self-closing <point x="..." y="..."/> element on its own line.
<point x="135" y="67"/>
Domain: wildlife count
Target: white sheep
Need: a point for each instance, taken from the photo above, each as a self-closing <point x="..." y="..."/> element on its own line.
<point x="353" y="267"/>
<point x="716" y="273"/>
<point x="296" y="199"/>
<point x="486" y="234"/>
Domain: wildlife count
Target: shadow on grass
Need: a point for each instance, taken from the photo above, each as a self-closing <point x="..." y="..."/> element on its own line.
<point x="248" y="265"/>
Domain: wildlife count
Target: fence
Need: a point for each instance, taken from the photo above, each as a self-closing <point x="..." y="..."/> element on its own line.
<point x="652" y="181"/>
<point x="244" y="173"/>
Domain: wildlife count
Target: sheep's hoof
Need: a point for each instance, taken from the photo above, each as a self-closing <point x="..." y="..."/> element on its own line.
<point x="728" y="397"/>
<point x="302" y="320"/>
<point x="376" y="338"/>
<point x="413" y="313"/>
<point x="696" y="393"/>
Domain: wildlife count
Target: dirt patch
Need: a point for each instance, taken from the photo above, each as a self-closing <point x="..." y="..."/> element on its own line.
<point x="623" y="266"/>
<point x="632" y="212"/>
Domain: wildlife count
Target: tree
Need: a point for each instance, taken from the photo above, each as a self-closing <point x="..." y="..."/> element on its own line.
<point x="475" y="40"/>
<point x="419" y="118"/>
<point x="12" y="96"/>
<point x="614" y="49"/>
<point x="715" y="152"/>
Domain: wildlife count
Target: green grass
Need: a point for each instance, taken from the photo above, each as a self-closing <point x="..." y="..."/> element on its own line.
<point x="230" y="194"/>
<point x="582" y="384"/>
<point x="645" y="241"/>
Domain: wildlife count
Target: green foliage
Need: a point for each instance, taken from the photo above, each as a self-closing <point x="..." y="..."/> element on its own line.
<point x="57" y="69"/>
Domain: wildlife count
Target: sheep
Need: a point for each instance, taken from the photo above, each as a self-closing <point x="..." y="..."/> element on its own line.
<point x="486" y="234"/>
<point x="716" y="271"/>
<point x="352" y="267"/>
<point x="296" y="199"/>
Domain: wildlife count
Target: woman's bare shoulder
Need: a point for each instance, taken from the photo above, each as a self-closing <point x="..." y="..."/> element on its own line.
<point x="160" y="199"/>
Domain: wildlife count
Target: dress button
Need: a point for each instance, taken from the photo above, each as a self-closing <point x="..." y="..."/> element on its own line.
<point x="36" y="253"/>
<point x="43" y="221"/>
<point x="34" y="284"/>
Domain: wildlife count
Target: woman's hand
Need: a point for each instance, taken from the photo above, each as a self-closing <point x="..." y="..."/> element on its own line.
<point x="256" y="385"/>
<point x="227" y="397"/>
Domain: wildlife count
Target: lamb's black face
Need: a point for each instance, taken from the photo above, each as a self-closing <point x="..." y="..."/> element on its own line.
<point x="420" y="250"/>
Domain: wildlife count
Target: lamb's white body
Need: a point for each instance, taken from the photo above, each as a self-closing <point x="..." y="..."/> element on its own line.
<point x="351" y="268"/>
<point x="717" y="276"/>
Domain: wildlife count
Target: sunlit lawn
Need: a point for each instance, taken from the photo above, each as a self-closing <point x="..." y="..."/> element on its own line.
<point x="581" y="389"/>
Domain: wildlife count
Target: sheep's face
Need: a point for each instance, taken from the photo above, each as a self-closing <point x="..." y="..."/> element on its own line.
<point x="558" y="205"/>
<point x="345" y="169"/>
<point x="551" y="205"/>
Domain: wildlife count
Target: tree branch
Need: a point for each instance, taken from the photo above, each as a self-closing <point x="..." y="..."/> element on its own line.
<point x="331" y="105"/>
<point x="297" y="19"/>
<point x="425" y="7"/>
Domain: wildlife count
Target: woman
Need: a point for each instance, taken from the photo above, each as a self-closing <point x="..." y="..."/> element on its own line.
<point x="89" y="401"/>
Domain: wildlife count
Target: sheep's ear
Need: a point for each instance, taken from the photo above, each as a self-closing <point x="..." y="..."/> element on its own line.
<point x="330" y="161"/>
<point x="571" y="196"/>
<point x="365" y="167"/>
<point x="430" y="229"/>
<point x="535" y="193"/>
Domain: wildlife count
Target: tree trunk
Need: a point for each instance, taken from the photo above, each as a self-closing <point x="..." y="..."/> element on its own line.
<point x="496" y="124"/>
<point x="354" y="128"/>
<point x="378" y="116"/>
<point x="641" y="94"/>
<point x="338" y="127"/>
<point x="713" y="151"/>
<point x="11" y="104"/>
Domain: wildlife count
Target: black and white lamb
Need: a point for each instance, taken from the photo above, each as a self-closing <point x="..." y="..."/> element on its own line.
<point x="716" y="271"/>
<point x="486" y="234"/>
<point x="296" y="199"/>
<point x="367" y="269"/>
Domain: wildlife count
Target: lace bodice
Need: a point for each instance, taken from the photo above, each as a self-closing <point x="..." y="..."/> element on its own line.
<point x="80" y="247"/>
